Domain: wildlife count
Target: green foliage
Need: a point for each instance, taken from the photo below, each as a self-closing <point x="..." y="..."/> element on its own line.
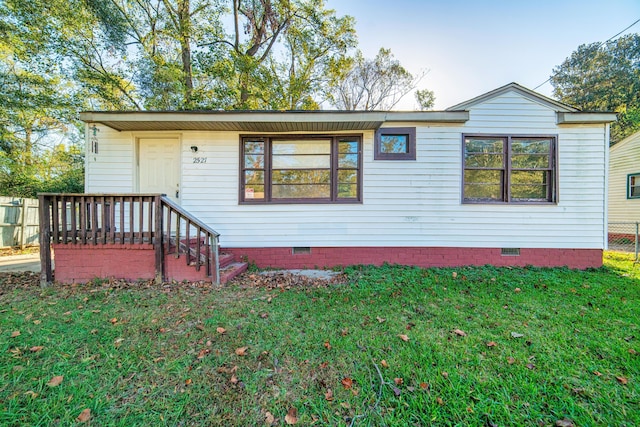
<point x="604" y="77"/>
<point x="425" y="98"/>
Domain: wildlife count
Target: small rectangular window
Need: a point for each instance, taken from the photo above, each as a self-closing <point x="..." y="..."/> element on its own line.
<point x="395" y="144"/>
<point x="633" y="186"/>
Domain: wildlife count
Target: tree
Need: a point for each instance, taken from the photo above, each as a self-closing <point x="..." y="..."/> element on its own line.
<point x="373" y="84"/>
<point x="425" y="98"/>
<point x="604" y="77"/>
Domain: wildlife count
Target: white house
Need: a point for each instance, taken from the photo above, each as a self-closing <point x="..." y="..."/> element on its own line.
<point x="508" y="178"/>
<point x="624" y="180"/>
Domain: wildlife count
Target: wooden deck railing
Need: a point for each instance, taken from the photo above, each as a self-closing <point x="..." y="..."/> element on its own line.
<point x="92" y="219"/>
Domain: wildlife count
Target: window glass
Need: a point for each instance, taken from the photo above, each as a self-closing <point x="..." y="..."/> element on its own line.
<point x="634" y="186"/>
<point x="508" y="169"/>
<point x="293" y="170"/>
<point x="394" y="144"/>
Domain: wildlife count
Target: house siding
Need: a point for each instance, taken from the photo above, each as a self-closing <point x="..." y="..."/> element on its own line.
<point x="405" y="203"/>
<point x="624" y="159"/>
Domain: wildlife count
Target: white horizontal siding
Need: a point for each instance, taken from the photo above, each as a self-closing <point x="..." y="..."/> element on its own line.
<point x="405" y="203"/>
<point x="624" y="159"/>
<point x="111" y="169"/>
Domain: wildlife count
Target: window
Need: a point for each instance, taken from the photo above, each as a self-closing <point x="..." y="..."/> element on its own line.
<point x="633" y="186"/>
<point x="509" y="169"/>
<point x="395" y="144"/>
<point x="314" y="169"/>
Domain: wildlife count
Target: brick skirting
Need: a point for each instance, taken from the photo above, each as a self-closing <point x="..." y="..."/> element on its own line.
<point x="321" y="257"/>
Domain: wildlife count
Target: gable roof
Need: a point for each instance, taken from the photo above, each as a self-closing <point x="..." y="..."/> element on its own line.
<point x="515" y="87"/>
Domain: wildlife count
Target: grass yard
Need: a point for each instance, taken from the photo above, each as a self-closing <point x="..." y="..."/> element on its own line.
<point x="395" y="346"/>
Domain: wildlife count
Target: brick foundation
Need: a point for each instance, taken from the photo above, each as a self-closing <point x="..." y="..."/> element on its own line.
<point x="420" y="256"/>
<point x="83" y="263"/>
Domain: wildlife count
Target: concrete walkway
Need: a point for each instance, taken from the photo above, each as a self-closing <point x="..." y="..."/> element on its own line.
<point x="20" y="263"/>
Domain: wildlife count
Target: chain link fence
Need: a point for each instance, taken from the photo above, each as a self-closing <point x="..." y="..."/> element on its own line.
<point x="624" y="237"/>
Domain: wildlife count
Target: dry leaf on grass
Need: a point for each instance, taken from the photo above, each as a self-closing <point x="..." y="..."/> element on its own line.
<point x="242" y="351"/>
<point x="566" y="422"/>
<point x="221" y="330"/>
<point x="328" y="395"/>
<point x="55" y="381"/>
<point x="347" y="383"/>
<point x="15" y="334"/>
<point x="492" y="344"/>
<point x="36" y="348"/>
<point x="460" y="332"/>
<point x="384" y="363"/>
<point x="269" y="419"/>
<point x="84" y="416"/>
<point x="404" y="337"/>
<point x="291" y="417"/>
<point x="622" y="380"/>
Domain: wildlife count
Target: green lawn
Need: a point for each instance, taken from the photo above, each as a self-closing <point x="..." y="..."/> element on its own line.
<point x="394" y="346"/>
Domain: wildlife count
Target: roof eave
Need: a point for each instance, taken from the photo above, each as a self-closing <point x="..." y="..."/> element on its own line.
<point x="585" y="118"/>
<point x="266" y="121"/>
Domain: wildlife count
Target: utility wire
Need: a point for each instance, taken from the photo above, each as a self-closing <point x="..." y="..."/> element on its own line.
<point x="601" y="43"/>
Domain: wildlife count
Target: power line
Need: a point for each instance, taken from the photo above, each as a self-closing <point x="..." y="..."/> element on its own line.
<point x="601" y="43"/>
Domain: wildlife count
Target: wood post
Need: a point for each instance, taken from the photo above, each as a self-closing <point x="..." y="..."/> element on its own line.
<point x="46" y="271"/>
<point x="157" y="238"/>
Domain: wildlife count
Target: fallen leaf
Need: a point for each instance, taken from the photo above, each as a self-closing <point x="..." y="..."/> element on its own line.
<point x="397" y="391"/>
<point x="597" y="374"/>
<point x="632" y="351"/>
<point x="114" y="320"/>
<point x="460" y="333"/>
<point x="470" y="409"/>
<point x="328" y="395"/>
<point x="291" y="417"/>
<point x="380" y="319"/>
<point x="445" y="375"/>
<point x="516" y="335"/>
<point x="327" y="345"/>
<point x="511" y="360"/>
<point x="424" y="386"/>
<point x="323" y="365"/>
<point x="31" y="393"/>
<point x="188" y="381"/>
<point x="454" y="274"/>
<point x="398" y="381"/>
<point x="492" y="344"/>
<point x="200" y="327"/>
<point x="55" y="381"/>
<point x="36" y="348"/>
<point x="242" y="351"/>
<point x="622" y="380"/>
<point x="384" y="363"/>
<point x="15" y="334"/>
<point x="516" y="290"/>
<point x="202" y="353"/>
<point x="37" y="322"/>
<point x="344" y="332"/>
<point x="347" y="383"/>
<point x="440" y="401"/>
<point x="234" y="380"/>
<point x="269" y="419"/>
<point x="531" y="366"/>
<point x="566" y="422"/>
<point x="84" y="416"/>
<point x="345" y="405"/>
<point x="404" y="337"/>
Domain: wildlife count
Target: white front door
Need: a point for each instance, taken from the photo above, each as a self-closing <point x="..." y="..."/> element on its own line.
<point x="159" y="160"/>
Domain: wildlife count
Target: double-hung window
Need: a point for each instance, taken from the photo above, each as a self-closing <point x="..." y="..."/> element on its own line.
<point x="633" y="186"/>
<point x="509" y="169"/>
<point x="307" y="169"/>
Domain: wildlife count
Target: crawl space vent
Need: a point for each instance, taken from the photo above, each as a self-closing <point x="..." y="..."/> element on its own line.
<point x="510" y="252"/>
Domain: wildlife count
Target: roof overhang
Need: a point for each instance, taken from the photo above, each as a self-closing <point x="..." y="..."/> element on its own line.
<point x="266" y="121"/>
<point x="585" y="118"/>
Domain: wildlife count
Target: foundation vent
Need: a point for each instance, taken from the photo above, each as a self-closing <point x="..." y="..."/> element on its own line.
<point x="301" y="251"/>
<point x="510" y="252"/>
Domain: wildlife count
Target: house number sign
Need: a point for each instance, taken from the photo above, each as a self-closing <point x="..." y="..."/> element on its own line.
<point x="199" y="160"/>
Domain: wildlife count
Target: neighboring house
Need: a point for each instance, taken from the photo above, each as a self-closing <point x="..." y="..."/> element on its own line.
<point x="508" y="178"/>
<point x="624" y="180"/>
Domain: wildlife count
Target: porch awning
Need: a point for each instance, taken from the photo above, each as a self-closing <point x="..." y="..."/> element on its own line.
<point x="265" y="121"/>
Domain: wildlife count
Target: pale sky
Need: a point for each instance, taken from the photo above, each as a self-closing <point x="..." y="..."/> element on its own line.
<point x="474" y="46"/>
